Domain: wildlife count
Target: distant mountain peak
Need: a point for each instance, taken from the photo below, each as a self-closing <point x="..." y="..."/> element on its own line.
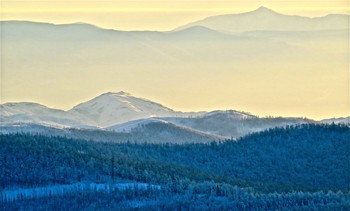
<point x="266" y="19"/>
<point x="117" y="107"/>
<point x="198" y="28"/>
<point x="123" y="93"/>
<point x="199" y="31"/>
<point x="229" y="113"/>
<point x="264" y="9"/>
<point x="116" y="93"/>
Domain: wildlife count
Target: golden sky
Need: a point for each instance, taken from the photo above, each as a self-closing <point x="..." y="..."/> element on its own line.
<point x="153" y="15"/>
<point x="295" y="87"/>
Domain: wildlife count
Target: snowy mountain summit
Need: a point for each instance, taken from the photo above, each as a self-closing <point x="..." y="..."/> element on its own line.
<point x="117" y="107"/>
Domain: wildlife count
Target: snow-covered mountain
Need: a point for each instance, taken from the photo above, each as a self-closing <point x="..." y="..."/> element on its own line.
<point x="102" y="111"/>
<point x="345" y="120"/>
<point x="266" y="19"/>
<point x="114" y="108"/>
<point x="36" y="113"/>
<point x="134" y="118"/>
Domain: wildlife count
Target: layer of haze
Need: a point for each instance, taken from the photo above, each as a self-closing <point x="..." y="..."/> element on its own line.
<point x="154" y="15"/>
<point x="312" y="82"/>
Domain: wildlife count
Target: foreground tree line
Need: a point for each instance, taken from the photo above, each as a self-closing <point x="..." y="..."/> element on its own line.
<point x="303" y="166"/>
<point x="197" y="196"/>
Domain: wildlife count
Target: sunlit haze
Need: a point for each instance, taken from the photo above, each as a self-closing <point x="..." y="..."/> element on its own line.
<point x="288" y="75"/>
<point x="154" y="15"/>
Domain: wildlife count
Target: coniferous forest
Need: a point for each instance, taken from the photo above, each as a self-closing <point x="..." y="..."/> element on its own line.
<point x="300" y="167"/>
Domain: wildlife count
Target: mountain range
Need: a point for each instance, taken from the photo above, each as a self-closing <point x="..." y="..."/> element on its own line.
<point x="105" y="110"/>
<point x="120" y="116"/>
<point x="265" y="19"/>
<point x="238" y="55"/>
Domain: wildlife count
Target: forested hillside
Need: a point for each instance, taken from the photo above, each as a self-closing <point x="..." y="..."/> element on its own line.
<point x="260" y="171"/>
<point x="303" y="155"/>
<point x="221" y="123"/>
<point x="154" y="132"/>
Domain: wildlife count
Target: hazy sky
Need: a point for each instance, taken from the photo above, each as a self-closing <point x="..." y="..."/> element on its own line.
<point x="153" y="15"/>
<point x="313" y="91"/>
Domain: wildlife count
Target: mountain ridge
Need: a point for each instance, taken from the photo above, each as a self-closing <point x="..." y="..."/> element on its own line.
<point x="264" y="18"/>
<point x="124" y="113"/>
<point x="262" y="10"/>
<point x="15" y="108"/>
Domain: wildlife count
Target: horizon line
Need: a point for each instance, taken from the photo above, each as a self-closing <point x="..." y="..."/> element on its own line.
<point x="223" y="14"/>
